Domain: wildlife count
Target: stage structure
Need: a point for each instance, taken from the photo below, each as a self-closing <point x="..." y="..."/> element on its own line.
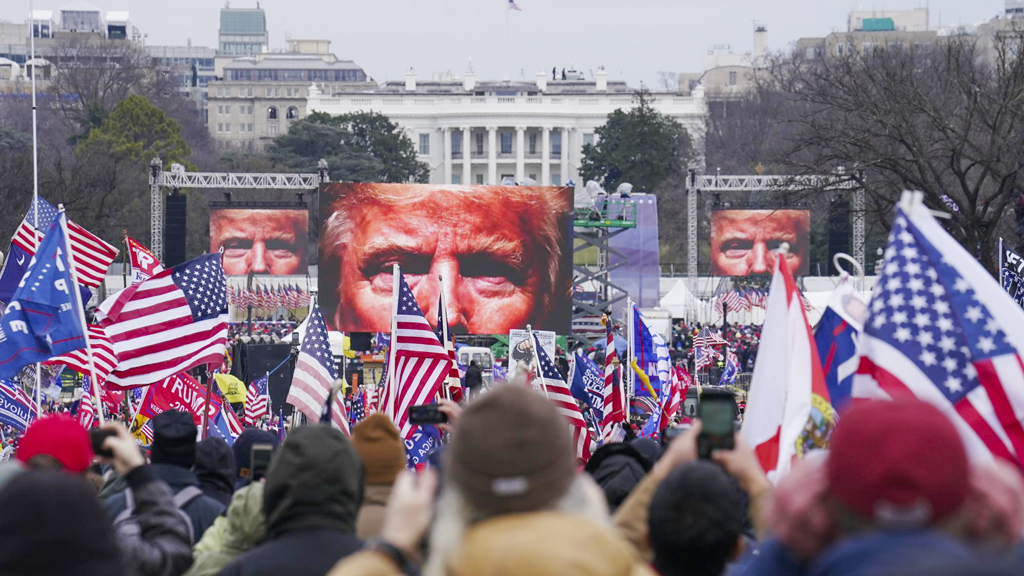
<point x="177" y="178"/>
<point x="697" y="184"/>
<point x="595" y="226"/>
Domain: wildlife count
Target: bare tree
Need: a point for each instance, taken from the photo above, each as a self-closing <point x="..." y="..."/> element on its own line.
<point x="938" y="118"/>
<point x="668" y="81"/>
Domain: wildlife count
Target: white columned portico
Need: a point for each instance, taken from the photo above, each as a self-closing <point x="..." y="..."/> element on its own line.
<point x="545" y="157"/>
<point x="520" y="153"/>
<point x="467" y="169"/>
<point x="447" y="135"/>
<point x="492" y="155"/>
<point x="565" y="156"/>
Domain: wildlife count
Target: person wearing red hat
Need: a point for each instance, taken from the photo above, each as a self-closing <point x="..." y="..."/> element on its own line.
<point x="56" y="442"/>
<point x="896" y="490"/>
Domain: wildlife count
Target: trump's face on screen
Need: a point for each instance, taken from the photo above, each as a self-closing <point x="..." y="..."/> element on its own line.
<point x="498" y="250"/>
<point x="260" y="241"/>
<point x="743" y="241"/>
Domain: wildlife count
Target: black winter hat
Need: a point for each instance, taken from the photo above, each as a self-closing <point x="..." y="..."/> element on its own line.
<point x="243" y="450"/>
<point x="174" y="439"/>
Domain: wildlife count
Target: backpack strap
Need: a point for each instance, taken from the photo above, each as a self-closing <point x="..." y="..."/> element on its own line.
<point x="186" y="495"/>
<point x="129" y="507"/>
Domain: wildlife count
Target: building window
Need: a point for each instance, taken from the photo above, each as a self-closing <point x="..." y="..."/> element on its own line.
<point x="532" y="177"/>
<point x="288" y="92"/>
<point x="556" y="179"/>
<point x="456" y="144"/>
<point x="424" y="143"/>
<point x="293" y="113"/>
<point x="271" y="128"/>
<point x="272" y="113"/>
<point x="732" y="78"/>
<point x="456" y="178"/>
<point x="556" y="143"/>
<point x="227" y="128"/>
<point x="248" y="92"/>
<point x="227" y="109"/>
<point x="220" y="109"/>
<point x="479" y="178"/>
<point x="220" y="127"/>
<point x="506" y="142"/>
<point x="588" y="139"/>
<point x="249" y="111"/>
<point x="533" y="143"/>
<point x="241" y="128"/>
<point x="480" y="145"/>
<point x="250" y="128"/>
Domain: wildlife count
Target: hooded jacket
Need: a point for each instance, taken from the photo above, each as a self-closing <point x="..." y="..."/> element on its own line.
<point x="530" y="544"/>
<point x="311" y="498"/>
<point x="215" y="469"/>
<point x="617" y="468"/>
<point x="232" y="535"/>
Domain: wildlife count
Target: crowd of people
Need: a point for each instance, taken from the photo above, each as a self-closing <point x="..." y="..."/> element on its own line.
<point x="504" y="494"/>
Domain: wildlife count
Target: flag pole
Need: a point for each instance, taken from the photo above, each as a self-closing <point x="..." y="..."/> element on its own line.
<point x="390" y="407"/>
<point x="535" y="342"/>
<point x="97" y="405"/>
<point x="443" y="314"/>
<point x="35" y="173"/>
<point x="630" y="344"/>
<point x="999" y="273"/>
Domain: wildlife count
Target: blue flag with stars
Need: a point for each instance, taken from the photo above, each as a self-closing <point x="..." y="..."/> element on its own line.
<point x="43" y="319"/>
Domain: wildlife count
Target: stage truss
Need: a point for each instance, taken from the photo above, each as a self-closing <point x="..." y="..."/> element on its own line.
<point x="697" y="184"/>
<point x="177" y="178"/>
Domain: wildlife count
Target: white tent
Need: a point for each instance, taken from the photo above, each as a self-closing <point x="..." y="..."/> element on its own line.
<point x="677" y="299"/>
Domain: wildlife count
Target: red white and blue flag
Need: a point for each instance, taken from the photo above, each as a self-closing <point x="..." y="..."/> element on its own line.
<point x="86" y="409"/>
<point x="421" y="363"/>
<point x="257" y="400"/>
<point x="942" y="329"/>
<point x="174" y="321"/>
<point x="558" y="392"/>
<point x="513" y="6"/>
<point x="315" y="370"/>
<point x="102" y="354"/>
<point x="614" y="394"/>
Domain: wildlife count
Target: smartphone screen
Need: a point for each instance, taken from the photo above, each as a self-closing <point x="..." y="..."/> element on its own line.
<point x="427" y="414"/>
<point x="260" y="462"/>
<point x="717" y="415"/>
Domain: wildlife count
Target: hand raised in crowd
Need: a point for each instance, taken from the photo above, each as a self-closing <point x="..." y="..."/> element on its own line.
<point x="410" y="510"/>
<point x="741" y="463"/>
<point x="996" y="504"/>
<point x="127" y="456"/>
<point x="796" y="513"/>
<point x="451" y="409"/>
<point x="682" y="450"/>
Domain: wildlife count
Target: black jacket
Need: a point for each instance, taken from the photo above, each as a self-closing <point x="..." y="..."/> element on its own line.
<point x="474" y="377"/>
<point x="156" y="542"/>
<point x="313" y="492"/>
<point x="617" y="468"/>
<point x="215" y="468"/>
<point x="202" y="511"/>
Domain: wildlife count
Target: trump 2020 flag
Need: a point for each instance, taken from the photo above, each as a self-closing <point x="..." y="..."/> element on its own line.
<point x="836" y="336"/>
<point x="788" y="408"/>
<point x="43" y="319"/>
<point x="943" y="330"/>
<point x="586" y="383"/>
<point x="16" y="408"/>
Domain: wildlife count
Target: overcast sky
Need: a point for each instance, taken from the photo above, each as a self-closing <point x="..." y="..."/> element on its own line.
<point x="632" y="39"/>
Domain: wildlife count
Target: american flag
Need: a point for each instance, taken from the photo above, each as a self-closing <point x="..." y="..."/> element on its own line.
<point x="86" y="409"/>
<point x="614" y="411"/>
<point x="942" y="329"/>
<point x="513" y="6"/>
<point x="702" y="357"/>
<point x="257" y="400"/>
<point x="558" y="392"/>
<point x="174" y="321"/>
<point x="315" y="371"/>
<point x="706" y="338"/>
<point x="681" y="381"/>
<point x="421" y="363"/>
<point x="339" y="415"/>
<point x="742" y="302"/>
<point x="102" y="354"/>
<point x="92" y="255"/>
<point x="234" y="424"/>
<point x="358" y="413"/>
<point x="444" y="335"/>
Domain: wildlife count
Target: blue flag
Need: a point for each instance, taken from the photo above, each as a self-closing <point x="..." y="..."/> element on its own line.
<point x="219" y="428"/>
<point x="650" y="352"/>
<point x="18" y="258"/>
<point x="586" y="384"/>
<point x="836" y="338"/>
<point x="43" y="319"/>
<point x="15" y="406"/>
<point x="424" y="440"/>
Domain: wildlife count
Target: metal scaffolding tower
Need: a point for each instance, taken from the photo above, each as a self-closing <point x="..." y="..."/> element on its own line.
<point x="594" y="228"/>
<point x="697" y="184"/>
<point x="177" y="178"/>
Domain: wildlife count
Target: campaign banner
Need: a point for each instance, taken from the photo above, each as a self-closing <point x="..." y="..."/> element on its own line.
<point x="179" y="392"/>
<point x="14" y="411"/>
<point x="520" y="348"/>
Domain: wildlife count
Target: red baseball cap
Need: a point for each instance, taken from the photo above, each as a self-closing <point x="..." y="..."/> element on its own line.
<point x="61" y="437"/>
<point x="901" y="464"/>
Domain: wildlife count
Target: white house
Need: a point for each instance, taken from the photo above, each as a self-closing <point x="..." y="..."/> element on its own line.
<point x="477" y="132"/>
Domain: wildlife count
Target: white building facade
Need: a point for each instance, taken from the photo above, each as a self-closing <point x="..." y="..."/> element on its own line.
<point x="472" y="132"/>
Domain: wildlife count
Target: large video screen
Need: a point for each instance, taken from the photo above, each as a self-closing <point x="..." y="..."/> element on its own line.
<point x="743" y="241"/>
<point x="258" y="239"/>
<point x="504" y="254"/>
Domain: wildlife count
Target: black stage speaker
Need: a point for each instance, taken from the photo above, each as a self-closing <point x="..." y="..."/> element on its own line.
<point x="258" y="359"/>
<point x="360" y="341"/>
<point x="838" y="230"/>
<point x="174" y="230"/>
